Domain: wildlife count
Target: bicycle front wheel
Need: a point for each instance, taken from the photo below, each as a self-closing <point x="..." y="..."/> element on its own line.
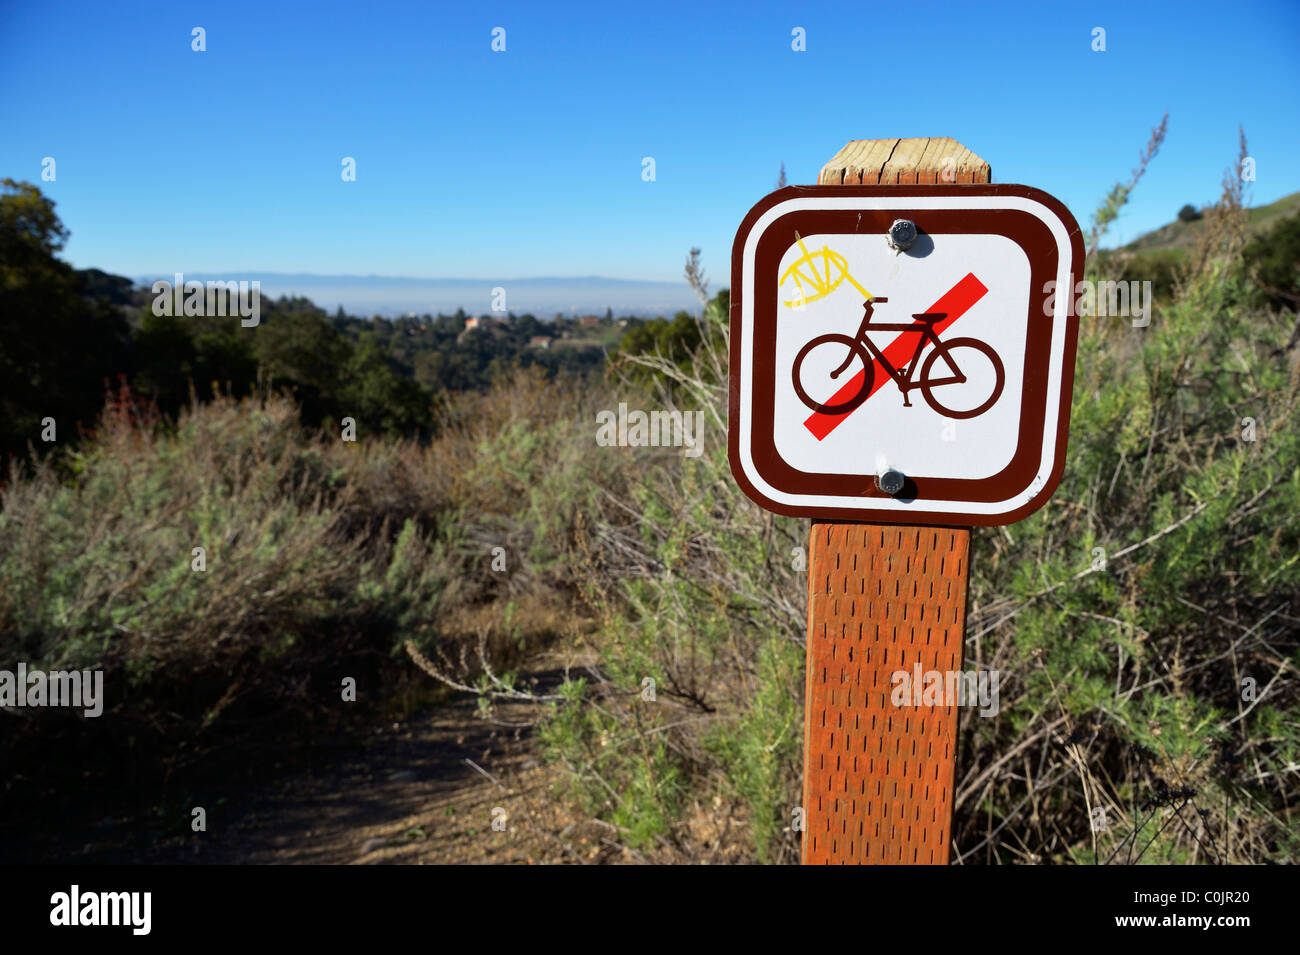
<point x="969" y="380"/>
<point x="816" y="381"/>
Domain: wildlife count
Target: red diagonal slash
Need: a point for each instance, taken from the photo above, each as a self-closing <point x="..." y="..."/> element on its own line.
<point x="956" y="301"/>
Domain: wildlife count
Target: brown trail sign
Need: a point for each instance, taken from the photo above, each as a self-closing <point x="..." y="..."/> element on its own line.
<point x="902" y="359"/>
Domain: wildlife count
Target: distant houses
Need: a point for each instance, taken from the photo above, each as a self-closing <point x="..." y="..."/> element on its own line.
<point x="562" y="333"/>
<point x="561" y="322"/>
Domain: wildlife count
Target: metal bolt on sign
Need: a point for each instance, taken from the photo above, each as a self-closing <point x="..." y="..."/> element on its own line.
<point x="902" y="234"/>
<point x="890" y="481"/>
<point x="821" y="424"/>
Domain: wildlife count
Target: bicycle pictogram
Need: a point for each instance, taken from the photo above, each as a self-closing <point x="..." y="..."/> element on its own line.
<point x="957" y="388"/>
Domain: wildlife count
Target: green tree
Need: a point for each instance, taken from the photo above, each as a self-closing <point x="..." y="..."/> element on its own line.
<point x="1275" y="258"/>
<point x="165" y="360"/>
<point x="58" y="349"/>
<point x="298" y="348"/>
<point x="381" y="397"/>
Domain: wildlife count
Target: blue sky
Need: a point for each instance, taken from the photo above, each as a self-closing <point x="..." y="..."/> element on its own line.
<point x="528" y="162"/>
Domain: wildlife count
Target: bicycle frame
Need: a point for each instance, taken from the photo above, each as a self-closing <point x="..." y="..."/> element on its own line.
<point x="924" y="329"/>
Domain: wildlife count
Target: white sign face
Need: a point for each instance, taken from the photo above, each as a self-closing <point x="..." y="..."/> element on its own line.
<point x="925" y="385"/>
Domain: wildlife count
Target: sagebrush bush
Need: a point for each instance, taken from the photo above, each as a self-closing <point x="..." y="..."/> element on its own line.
<point x="320" y="559"/>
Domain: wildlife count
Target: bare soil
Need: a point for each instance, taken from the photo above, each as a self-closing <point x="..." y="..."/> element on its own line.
<point x="426" y="790"/>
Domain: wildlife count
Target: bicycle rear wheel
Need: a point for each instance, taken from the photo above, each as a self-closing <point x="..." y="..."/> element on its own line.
<point x="818" y="376"/>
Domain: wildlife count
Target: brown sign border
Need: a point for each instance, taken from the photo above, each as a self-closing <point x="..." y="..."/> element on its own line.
<point x="1025" y="230"/>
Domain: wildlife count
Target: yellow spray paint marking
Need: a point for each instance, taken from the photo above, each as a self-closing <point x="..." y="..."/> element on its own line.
<point x="811" y="283"/>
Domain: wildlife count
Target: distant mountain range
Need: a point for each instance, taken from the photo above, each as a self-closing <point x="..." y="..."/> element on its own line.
<point x="392" y="296"/>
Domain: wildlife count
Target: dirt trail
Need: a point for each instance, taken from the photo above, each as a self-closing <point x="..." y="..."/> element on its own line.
<point x="418" y="792"/>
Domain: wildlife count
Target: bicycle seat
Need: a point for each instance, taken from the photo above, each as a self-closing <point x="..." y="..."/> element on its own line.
<point x="929" y="318"/>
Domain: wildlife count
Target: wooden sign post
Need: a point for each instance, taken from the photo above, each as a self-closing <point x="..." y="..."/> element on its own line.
<point x="877" y="780"/>
<point x="965" y="275"/>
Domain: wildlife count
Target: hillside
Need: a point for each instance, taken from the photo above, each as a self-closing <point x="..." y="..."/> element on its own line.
<point x="1180" y="235"/>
